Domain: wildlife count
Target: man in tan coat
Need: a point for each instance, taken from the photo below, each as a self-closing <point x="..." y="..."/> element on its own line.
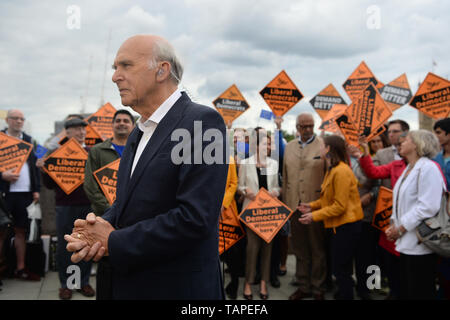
<point x="303" y="173"/>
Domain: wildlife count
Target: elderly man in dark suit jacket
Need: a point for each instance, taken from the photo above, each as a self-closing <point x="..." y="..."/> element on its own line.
<point x="161" y="234"/>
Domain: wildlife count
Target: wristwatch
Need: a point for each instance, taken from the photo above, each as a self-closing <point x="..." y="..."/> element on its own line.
<point x="400" y="232"/>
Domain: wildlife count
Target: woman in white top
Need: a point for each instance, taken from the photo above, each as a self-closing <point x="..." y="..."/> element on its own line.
<point x="417" y="196"/>
<point x="255" y="172"/>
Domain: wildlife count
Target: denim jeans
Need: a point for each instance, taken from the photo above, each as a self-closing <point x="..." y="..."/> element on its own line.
<point x="65" y="217"/>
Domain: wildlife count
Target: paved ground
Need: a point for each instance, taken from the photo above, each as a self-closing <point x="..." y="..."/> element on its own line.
<point x="47" y="288"/>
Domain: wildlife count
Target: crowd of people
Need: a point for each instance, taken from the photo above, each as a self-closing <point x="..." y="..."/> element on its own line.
<point x="19" y="190"/>
<point x="332" y="188"/>
<point x="159" y="239"/>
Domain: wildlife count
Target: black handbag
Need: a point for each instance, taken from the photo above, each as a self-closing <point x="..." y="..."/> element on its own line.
<point x="6" y="219"/>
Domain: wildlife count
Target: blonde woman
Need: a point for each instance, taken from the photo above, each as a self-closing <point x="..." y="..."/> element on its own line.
<point x="417" y="196"/>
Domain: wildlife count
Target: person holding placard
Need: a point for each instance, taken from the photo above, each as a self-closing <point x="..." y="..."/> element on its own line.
<point x="20" y="189"/>
<point x="258" y="171"/>
<point x="69" y="207"/>
<point x="390" y="168"/>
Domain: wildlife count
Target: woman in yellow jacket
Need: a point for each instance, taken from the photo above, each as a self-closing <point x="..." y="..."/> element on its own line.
<point x="232" y="256"/>
<point x="339" y="207"/>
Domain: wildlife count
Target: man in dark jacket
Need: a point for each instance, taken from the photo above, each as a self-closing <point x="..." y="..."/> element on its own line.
<point x="20" y="190"/>
<point x="162" y="232"/>
<point x="101" y="155"/>
<point x="69" y="207"/>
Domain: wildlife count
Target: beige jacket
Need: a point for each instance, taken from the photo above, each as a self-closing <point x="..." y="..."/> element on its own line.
<point x="303" y="172"/>
<point x="248" y="177"/>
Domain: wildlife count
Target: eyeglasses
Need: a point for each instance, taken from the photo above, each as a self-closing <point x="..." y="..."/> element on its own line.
<point x="394" y="131"/>
<point x="16" y="118"/>
<point x="305" y="127"/>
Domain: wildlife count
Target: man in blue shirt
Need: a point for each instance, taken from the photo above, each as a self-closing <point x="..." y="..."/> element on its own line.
<point x="442" y="131"/>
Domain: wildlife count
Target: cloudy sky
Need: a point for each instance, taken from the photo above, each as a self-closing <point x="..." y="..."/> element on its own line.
<point x="49" y="67"/>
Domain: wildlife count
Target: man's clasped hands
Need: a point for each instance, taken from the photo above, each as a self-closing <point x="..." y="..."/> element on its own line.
<point x="89" y="238"/>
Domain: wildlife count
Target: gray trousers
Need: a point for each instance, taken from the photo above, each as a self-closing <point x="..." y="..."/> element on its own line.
<point x="256" y="245"/>
<point x="65" y="217"/>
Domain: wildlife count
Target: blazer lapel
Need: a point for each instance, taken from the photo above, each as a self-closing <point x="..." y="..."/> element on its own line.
<point x="161" y="134"/>
<point x="126" y="162"/>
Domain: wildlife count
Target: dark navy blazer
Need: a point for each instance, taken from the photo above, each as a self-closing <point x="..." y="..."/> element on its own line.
<point x="166" y="214"/>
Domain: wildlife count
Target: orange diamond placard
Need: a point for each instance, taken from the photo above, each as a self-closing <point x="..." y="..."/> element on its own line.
<point x="383" y="209"/>
<point x="329" y="122"/>
<point x="92" y="136"/>
<point x="230" y="229"/>
<point x="231" y="104"/>
<point x="281" y="94"/>
<point x="359" y="80"/>
<point x="348" y="129"/>
<point x="101" y="120"/>
<point x="66" y="165"/>
<point x="107" y="180"/>
<point x="325" y="100"/>
<point x="396" y="93"/>
<point x="368" y="112"/>
<point x="13" y="153"/>
<point x="265" y="215"/>
<point x="433" y="97"/>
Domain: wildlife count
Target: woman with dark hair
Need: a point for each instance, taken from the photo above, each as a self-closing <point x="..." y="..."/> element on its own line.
<point x="256" y="172"/>
<point x="377" y="143"/>
<point x="339" y="207"/>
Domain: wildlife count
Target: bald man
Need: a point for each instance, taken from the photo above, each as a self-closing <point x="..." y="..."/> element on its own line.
<point x="303" y="173"/>
<point x="20" y="190"/>
<point x="161" y="234"/>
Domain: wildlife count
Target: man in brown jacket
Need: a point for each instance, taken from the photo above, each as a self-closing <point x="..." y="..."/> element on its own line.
<point x="303" y="173"/>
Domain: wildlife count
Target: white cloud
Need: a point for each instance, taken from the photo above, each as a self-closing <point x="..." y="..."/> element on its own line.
<point x="45" y="66"/>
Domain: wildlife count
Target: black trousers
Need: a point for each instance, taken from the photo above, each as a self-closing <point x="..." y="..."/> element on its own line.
<point x="418" y="277"/>
<point x="343" y="250"/>
<point x="104" y="280"/>
<point x="365" y="255"/>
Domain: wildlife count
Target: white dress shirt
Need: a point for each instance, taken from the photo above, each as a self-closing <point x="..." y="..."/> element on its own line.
<point x="23" y="184"/>
<point x="416" y="198"/>
<point x="148" y="127"/>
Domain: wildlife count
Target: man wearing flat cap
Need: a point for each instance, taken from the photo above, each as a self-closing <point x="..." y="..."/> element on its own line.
<point x="69" y="208"/>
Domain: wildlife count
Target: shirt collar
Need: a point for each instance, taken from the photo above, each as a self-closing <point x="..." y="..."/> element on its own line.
<point x="396" y="154"/>
<point x="19" y="137"/>
<point x="307" y="142"/>
<point x="160" y="112"/>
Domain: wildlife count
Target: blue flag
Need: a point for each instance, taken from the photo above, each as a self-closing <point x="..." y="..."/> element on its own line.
<point x="266" y="114"/>
<point x="40" y="151"/>
<point x="241" y="147"/>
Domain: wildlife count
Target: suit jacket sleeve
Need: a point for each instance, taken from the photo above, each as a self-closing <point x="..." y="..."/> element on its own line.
<point x="194" y="220"/>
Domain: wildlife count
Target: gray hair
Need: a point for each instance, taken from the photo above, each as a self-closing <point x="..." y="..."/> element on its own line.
<point x="426" y="142"/>
<point x="163" y="51"/>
